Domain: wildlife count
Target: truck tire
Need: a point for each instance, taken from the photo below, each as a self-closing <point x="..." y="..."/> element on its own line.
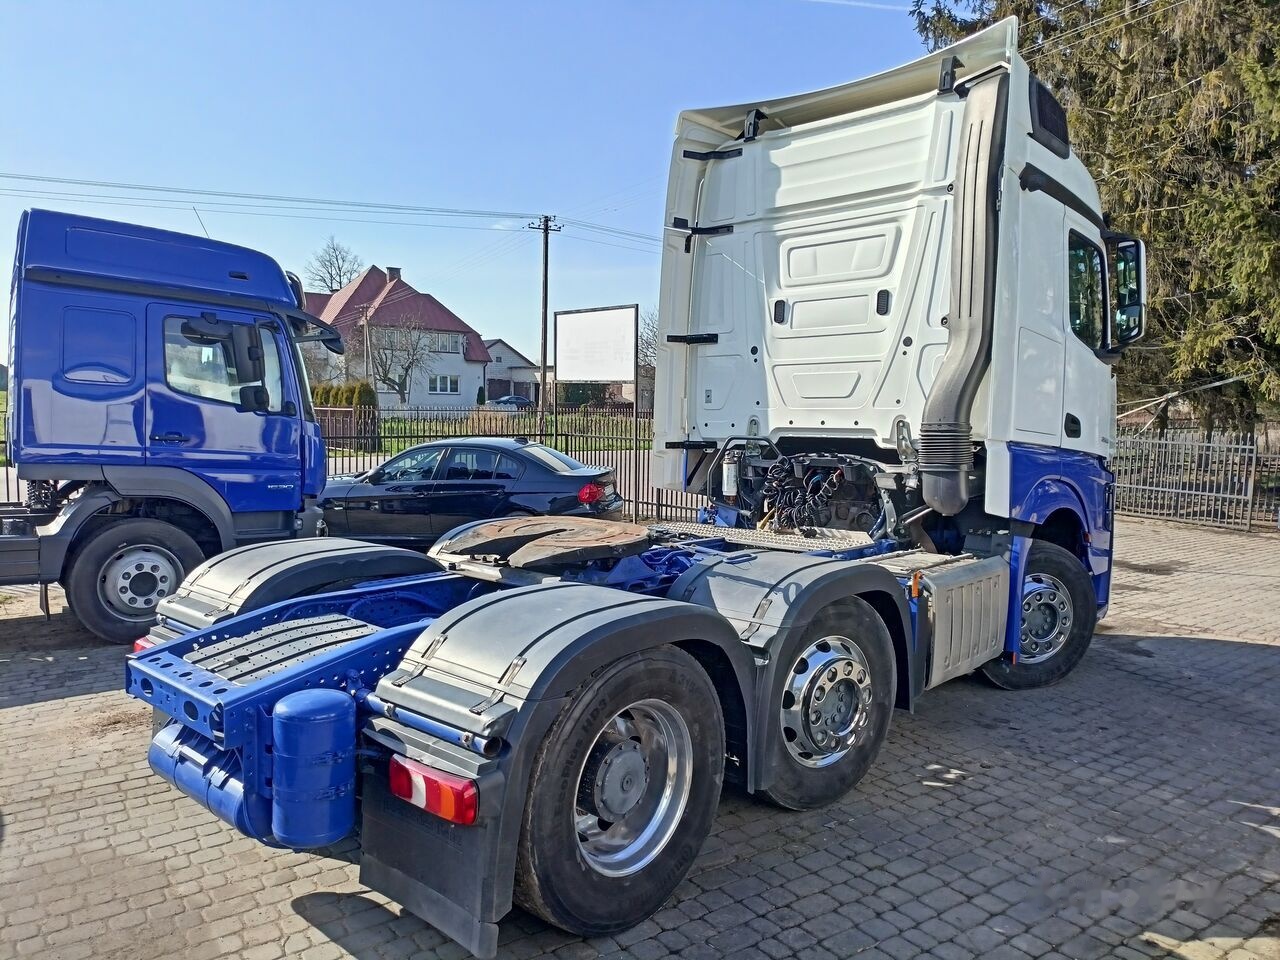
<point x="1059" y="612"/>
<point x="604" y="841"/>
<point x="831" y="703"/>
<point x="118" y="575"/>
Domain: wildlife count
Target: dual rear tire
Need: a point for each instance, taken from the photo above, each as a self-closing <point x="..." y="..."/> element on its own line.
<point x="624" y="787"/>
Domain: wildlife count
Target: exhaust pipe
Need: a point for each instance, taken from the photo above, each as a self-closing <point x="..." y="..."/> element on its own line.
<point x="945" y="443"/>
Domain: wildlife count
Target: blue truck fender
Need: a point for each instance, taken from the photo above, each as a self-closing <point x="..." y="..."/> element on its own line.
<point x="172" y="483"/>
<point x="771" y="597"/>
<point x="57" y="536"/>
<point x="505" y="665"/>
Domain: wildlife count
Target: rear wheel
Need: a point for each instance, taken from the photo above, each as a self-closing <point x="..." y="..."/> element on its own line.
<point x="622" y="794"/>
<point x="1059" y="612"/>
<point x="119" y="574"/>
<point x="832" y="700"/>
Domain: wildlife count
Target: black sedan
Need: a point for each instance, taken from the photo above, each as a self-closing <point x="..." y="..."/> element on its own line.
<point x="425" y="492"/>
<point x="520" y="403"/>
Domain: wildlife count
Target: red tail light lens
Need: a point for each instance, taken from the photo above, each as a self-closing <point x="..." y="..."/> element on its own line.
<point x="590" y="493"/>
<point x="442" y="794"/>
<point x="143" y="643"/>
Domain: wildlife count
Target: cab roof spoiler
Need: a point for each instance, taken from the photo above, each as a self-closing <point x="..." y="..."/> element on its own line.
<point x="998" y="44"/>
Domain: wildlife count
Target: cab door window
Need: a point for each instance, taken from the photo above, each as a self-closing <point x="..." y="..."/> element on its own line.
<point x="1086" y="291"/>
<point x="217" y="360"/>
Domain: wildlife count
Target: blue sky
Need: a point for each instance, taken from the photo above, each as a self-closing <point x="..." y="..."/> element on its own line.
<point x="563" y="106"/>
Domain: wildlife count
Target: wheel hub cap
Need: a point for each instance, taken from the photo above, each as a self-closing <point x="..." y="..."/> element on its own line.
<point x="633" y="788"/>
<point x="826" y="703"/>
<point x="136" y="578"/>
<point x="1047" y="616"/>
<point x="620" y="782"/>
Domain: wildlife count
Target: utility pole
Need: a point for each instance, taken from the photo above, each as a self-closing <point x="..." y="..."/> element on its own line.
<point x="547" y="225"/>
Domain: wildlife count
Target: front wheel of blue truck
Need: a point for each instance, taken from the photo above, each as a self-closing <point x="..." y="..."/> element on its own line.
<point x="118" y="575"/>
<point x="622" y="794"/>
<point x="1059" y="612"/>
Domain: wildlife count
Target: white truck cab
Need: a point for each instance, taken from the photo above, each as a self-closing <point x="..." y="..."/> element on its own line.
<point x="910" y="268"/>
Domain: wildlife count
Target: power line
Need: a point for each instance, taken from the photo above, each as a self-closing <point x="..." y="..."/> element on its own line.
<point x="1077" y="35"/>
<point x="1057" y="14"/>
<point x="161" y="205"/>
<point x="231" y="194"/>
<point x="1088" y="26"/>
<point x="620" y="246"/>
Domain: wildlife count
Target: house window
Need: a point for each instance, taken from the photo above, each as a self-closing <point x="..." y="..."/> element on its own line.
<point x="497" y="359"/>
<point x="446" y="342"/>
<point x="443" y="384"/>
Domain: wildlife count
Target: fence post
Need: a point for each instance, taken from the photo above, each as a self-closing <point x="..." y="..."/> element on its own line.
<point x="1251" y="468"/>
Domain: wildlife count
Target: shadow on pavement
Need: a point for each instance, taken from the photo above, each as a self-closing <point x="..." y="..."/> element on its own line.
<point x="363" y="926"/>
<point x="43" y="660"/>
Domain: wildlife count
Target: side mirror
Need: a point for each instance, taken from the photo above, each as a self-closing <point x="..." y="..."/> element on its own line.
<point x="1128" y="257"/>
<point x="254" y="399"/>
<point x="246" y="345"/>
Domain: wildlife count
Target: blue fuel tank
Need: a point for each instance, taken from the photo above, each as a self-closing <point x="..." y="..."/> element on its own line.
<point x="211" y="776"/>
<point x="313" y="779"/>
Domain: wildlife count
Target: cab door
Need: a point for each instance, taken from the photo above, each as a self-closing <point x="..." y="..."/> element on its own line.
<point x="1088" y="388"/>
<point x="217" y="409"/>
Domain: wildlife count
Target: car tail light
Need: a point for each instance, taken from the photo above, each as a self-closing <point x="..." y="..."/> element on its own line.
<point x="446" y="796"/>
<point x="590" y="493"/>
<point x="143" y="643"/>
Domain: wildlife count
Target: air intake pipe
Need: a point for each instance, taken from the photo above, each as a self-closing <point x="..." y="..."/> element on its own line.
<point x="945" y="443"/>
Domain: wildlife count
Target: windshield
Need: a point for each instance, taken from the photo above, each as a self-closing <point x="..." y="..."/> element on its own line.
<point x="552" y="459"/>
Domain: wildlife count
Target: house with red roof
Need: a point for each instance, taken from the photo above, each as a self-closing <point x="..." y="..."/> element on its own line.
<point x="415" y="350"/>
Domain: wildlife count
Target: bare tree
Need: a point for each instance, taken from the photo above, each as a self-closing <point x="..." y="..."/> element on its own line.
<point x="647" y="341"/>
<point x="396" y="355"/>
<point x="333" y="266"/>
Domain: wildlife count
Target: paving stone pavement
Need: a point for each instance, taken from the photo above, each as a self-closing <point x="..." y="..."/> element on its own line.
<point x="1131" y="811"/>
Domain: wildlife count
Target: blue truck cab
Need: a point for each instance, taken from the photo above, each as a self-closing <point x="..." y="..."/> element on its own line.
<point x="159" y="412"/>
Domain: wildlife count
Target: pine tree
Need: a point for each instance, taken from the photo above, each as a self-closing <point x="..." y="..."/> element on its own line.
<point x="1174" y="107"/>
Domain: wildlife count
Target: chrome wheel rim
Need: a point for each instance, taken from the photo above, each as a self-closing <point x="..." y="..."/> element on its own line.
<point x="1047" y="617"/>
<point x="633" y="788"/>
<point x="826" y="703"/>
<point x="134" y="579"/>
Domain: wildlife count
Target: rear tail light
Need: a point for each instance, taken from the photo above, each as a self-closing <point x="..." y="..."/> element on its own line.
<point x="143" y="643"/>
<point x="590" y="493"/>
<point x="446" y="796"/>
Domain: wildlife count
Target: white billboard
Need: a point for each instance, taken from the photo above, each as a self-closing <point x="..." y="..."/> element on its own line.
<point x="597" y="345"/>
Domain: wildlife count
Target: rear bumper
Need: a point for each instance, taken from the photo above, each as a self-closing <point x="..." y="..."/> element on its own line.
<point x="605" y="510"/>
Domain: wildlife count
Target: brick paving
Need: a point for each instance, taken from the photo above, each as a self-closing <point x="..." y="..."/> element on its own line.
<point x="1131" y="811"/>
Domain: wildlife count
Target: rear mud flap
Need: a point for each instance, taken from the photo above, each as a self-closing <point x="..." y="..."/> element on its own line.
<point x="398" y="839"/>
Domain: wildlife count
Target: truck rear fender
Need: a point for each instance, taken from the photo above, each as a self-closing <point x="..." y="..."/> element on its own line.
<point x="771" y="597"/>
<point x="505" y="665"/>
<point x="258" y="575"/>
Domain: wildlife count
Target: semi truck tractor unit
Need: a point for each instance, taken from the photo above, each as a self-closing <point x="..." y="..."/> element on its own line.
<point x="158" y="412"/>
<point x="888" y="319"/>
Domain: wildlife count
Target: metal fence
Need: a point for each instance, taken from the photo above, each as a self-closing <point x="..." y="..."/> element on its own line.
<point x="613" y="437"/>
<point x="1180" y="473"/>
<point x="1222" y="480"/>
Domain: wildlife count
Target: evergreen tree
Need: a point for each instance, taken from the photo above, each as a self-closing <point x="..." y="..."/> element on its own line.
<point x="1174" y="107"/>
